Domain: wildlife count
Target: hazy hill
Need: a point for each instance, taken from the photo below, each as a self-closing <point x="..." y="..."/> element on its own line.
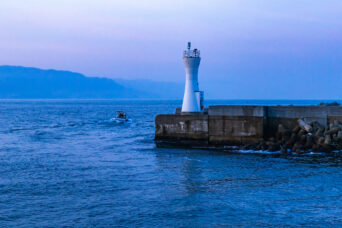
<point x="164" y="90"/>
<point x="26" y="82"/>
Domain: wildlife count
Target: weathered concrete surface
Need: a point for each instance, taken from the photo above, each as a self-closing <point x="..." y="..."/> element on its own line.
<point x="236" y="110"/>
<point x="289" y="115"/>
<point x="182" y="128"/>
<point x="334" y="113"/>
<point x="230" y="125"/>
<point x="231" y="130"/>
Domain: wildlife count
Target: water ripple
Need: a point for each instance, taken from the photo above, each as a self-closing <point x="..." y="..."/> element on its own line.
<point x="65" y="163"/>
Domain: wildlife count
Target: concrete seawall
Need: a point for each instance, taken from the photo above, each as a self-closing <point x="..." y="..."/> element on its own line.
<point x="235" y="124"/>
<point x="238" y="125"/>
<point x="184" y="129"/>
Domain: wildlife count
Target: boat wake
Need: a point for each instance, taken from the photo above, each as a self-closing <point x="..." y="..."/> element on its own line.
<point x="120" y="121"/>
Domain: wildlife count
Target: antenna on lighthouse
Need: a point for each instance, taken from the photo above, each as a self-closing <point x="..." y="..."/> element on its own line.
<point x="189" y="48"/>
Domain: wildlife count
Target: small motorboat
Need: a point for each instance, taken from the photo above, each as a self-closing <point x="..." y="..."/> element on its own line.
<point x="121" y="117"/>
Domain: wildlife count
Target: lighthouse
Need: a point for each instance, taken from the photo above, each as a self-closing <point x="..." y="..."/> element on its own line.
<point x="193" y="97"/>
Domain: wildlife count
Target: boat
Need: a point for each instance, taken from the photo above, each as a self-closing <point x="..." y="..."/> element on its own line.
<point x="121" y="117"/>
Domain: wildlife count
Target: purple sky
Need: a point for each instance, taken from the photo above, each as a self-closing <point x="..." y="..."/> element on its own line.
<point x="246" y="45"/>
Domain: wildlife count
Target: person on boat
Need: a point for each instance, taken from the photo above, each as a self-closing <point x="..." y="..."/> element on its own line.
<point x="121" y="115"/>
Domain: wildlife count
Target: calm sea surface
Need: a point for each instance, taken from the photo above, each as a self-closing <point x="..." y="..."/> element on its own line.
<point x="65" y="163"/>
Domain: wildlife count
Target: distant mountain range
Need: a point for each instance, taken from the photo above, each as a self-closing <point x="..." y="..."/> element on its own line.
<point x="33" y="83"/>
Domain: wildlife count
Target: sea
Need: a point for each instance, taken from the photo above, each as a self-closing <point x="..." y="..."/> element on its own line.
<point x="66" y="163"/>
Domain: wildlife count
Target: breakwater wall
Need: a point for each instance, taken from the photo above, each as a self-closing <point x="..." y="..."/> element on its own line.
<point x="234" y="125"/>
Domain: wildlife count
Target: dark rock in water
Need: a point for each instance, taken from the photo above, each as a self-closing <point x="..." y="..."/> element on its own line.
<point x="315" y="147"/>
<point x="296" y="129"/>
<point x="297" y="146"/>
<point x="339" y="135"/>
<point x="244" y="147"/>
<point x="336" y="123"/>
<point x="334" y="138"/>
<point x="306" y="136"/>
<point x="253" y="147"/>
<point x="283" y="149"/>
<point x="301" y="133"/>
<point x="293" y="139"/>
<point x="316" y="126"/>
<point x="273" y="147"/>
<point x="288" y="145"/>
<point x="304" y="126"/>
<point x="319" y="132"/>
<point x="329" y="104"/>
<point x="309" y="142"/>
<point x="327" y="140"/>
<point x="298" y="150"/>
<point x="326" y="148"/>
<point x="320" y="140"/>
<point x="285" y="139"/>
<point x="334" y="130"/>
<point x="272" y="139"/>
<point x="330" y="126"/>
<point x="326" y="132"/>
<point x="303" y="139"/>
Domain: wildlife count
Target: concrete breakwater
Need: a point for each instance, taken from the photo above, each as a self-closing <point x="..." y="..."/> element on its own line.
<point x="285" y="128"/>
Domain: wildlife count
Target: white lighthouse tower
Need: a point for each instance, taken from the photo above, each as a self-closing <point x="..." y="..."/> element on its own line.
<point x="193" y="98"/>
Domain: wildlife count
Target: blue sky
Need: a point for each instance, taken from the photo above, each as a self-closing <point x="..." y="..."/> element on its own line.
<point x="250" y="49"/>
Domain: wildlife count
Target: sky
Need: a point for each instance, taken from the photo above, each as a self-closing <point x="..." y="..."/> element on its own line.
<point x="250" y="49"/>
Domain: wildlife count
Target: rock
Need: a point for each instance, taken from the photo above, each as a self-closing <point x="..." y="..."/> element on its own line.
<point x="297" y="146"/>
<point x="334" y="138"/>
<point x="272" y="139"/>
<point x="261" y="145"/>
<point x="305" y="126"/>
<point x="298" y="150"/>
<point x="329" y="104"/>
<point x="320" y="140"/>
<point x="273" y="147"/>
<point x="326" y="132"/>
<point x="331" y="125"/>
<point x="285" y="139"/>
<point x="303" y="139"/>
<point x="315" y="126"/>
<point x="283" y="149"/>
<point x="301" y="133"/>
<point x="333" y="104"/>
<point x="309" y="142"/>
<point x="333" y="130"/>
<point x="244" y="147"/>
<point x="339" y="135"/>
<point x="327" y="140"/>
<point x="337" y="123"/>
<point x="296" y="129"/>
<point x="319" y="132"/>
<point x="315" y="147"/>
<point x="326" y="148"/>
<point x="293" y="139"/>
